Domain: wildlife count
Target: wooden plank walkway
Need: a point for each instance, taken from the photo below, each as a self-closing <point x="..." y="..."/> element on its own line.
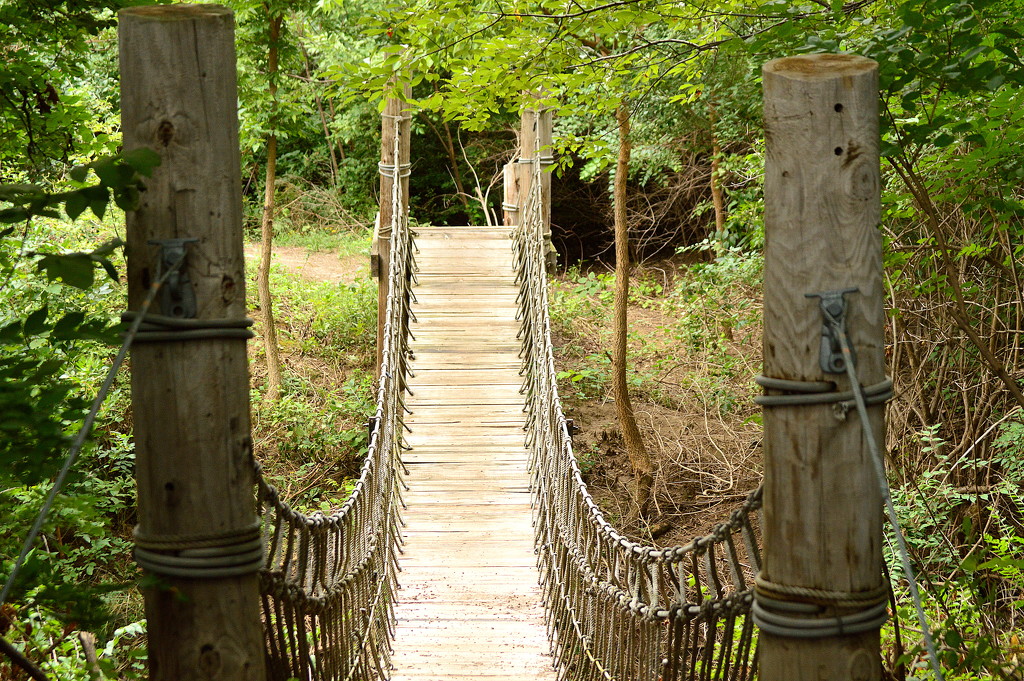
<point x="469" y="605"/>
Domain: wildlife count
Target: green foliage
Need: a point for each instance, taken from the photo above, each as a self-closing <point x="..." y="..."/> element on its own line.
<point x="123" y="657"/>
<point x="56" y="327"/>
<point x="47" y="116"/>
<point x="321" y="138"/>
<point x="314" y="425"/>
<point x="57" y="319"/>
<point x="588" y="381"/>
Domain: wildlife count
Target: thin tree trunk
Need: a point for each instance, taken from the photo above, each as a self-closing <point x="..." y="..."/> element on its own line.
<point x="448" y="142"/>
<point x="454" y="159"/>
<point x="263" y="274"/>
<point x="639" y="457"/>
<point x="334" y="115"/>
<point x="323" y="115"/>
<point x="716" y="187"/>
<point x="716" y="195"/>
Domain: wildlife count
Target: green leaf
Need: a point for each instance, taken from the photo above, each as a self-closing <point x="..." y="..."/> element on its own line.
<point x="79" y="173"/>
<point x="35" y="323"/>
<point x="142" y="160"/>
<point x="16" y="214"/>
<point x="68" y="325"/>
<point x="74" y="269"/>
<point x="75" y="205"/>
<point x="109" y="268"/>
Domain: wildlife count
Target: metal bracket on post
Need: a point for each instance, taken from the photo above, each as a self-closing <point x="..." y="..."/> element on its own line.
<point x="177" y="298"/>
<point x="833" y="312"/>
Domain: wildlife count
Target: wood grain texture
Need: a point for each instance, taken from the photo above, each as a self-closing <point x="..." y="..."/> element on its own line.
<point x="469" y="605"/>
<point x="394" y="109"/>
<point x="822" y="505"/>
<point x="190" y="399"/>
<point x="510" y="204"/>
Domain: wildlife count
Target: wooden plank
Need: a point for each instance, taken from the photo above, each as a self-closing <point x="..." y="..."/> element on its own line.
<point x="468" y="605"/>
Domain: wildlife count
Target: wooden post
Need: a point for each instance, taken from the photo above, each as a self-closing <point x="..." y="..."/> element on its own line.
<point x="822" y="503"/>
<point x="190" y="397"/>
<point x="527" y="149"/>
<point x="391" y="169"/>
<point x="544" y="140"/>
<point x="510" y="201"/>
<point x="536" y="131"/>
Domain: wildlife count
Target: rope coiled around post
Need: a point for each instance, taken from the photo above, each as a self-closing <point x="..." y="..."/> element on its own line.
<point x="804" y="612"/>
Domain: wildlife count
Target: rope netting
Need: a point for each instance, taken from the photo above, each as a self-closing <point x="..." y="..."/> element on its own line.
<point x="616" y="609"/>
<point x="328" y="581"/>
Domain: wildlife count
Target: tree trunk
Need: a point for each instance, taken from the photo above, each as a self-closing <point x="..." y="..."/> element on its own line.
<point x="639" y="457"/>
<point x="716" y="187"/>
<point x="263" y="275"/>
<point x="323" y="116"/>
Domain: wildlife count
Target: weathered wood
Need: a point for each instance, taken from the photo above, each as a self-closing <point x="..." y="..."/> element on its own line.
<point x="544" y="141"/>
<point x="527" y="152"/>
<point x="535" y="133"/>
<point x="510" y="203"/>
<point x="391" y="171"/>
<point x="190" y="399"/>
<point x="469" y="606"/>
<point x="822" y="504"/>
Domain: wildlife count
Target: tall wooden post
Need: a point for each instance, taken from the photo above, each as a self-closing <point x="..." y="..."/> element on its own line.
<point x="822" y="503"/>
<point x="510" y="200"/>
<point x="391" y="170"/>
<point x="536" y="133"/>
<point x="527" y="151"/>
<point x="197" y="529"/>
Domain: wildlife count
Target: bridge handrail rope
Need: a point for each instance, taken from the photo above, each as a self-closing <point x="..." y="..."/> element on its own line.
<point x="616" y="609"/>
<point x="328" y="580"/>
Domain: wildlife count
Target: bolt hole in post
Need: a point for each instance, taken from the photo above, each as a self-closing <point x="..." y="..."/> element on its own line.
<point x="838" y="151"/>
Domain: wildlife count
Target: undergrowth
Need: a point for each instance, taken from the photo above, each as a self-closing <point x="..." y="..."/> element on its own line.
<point x="81" y="577"/>
<point x="312" y="441"/>
<point x="695" y="336"/>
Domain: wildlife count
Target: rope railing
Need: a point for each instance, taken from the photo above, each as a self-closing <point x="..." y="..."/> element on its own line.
<point x="328" y="580"/>
<point x="616" y="609"/>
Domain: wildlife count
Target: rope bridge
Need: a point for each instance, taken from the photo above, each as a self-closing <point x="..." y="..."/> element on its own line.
<point x="614" y="609"/>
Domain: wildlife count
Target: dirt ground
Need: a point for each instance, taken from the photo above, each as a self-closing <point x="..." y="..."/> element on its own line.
<point x="707" y="457"/>
<point x="316" y="265"/>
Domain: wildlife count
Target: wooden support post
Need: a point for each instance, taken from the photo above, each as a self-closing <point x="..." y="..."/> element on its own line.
<point x="536" y="132"/>
<point x="527" y="150"/>
<point x="391" y="170"/>
<point x="510" y="202"/>
<point x="544" y="141"/>
<point x="822" y="503"/>
<point x="190" y="397"/>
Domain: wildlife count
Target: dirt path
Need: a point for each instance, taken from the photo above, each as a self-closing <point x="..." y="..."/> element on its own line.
<point x="317" y="265"/>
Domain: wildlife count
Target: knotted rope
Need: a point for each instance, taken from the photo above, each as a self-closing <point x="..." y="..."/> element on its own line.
<point x="616" y="609"/>
<point x="328" y="581"/>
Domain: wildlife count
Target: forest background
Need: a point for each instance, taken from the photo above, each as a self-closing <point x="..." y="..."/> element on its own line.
<point x="674" y="84"/>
